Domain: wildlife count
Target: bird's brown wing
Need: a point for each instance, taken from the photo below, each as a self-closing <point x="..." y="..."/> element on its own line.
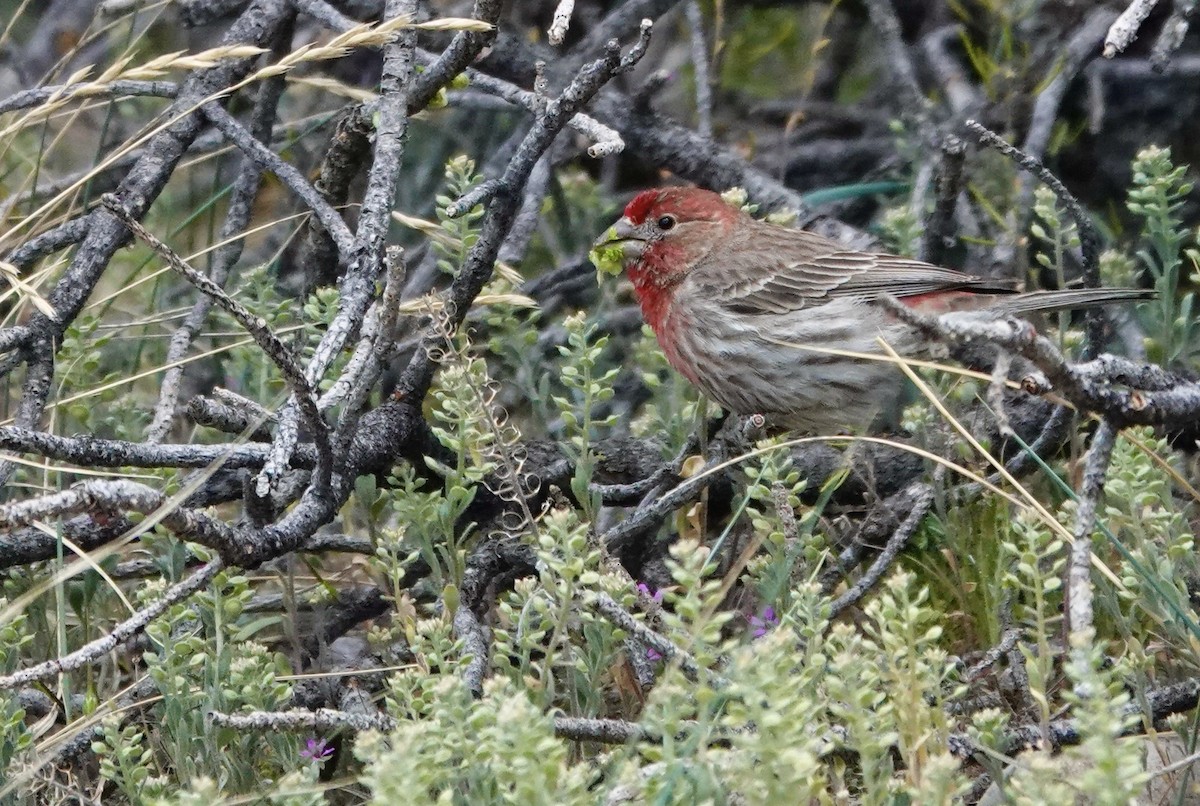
<point x="792" y="270"/>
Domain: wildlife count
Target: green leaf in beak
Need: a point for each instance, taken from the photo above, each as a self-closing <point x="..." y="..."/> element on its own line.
<point x="607" y="255"/>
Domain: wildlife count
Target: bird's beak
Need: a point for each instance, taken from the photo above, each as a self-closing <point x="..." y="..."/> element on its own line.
<point x="619" y="245"/>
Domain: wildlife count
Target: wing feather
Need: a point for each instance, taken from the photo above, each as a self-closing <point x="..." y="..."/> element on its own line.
<point x="789" y="270"/>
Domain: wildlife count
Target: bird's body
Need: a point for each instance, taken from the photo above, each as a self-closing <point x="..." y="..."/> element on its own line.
<point x="755" y="314"/>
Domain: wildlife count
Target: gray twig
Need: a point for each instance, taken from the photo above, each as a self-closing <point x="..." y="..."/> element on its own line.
<point x="699" y="45"/>
<point x="883" y="17"/>
<point x="358" y="285"/>
<point x="111" y="496"/>
<point x="1007" y="642"/>
<point x="1079" y="573"/>
<point x="268" y="160"/>
<point x="922" y="497"/>
<point x="622" y="618"/>
<point x="275" y="349"/>
<point x="1079" y="51"/>
<point x="502" y="208"/>
<point x="1083" y="384"/>
<point x="1172" y="34"/>
<point x="241" y="201"/>
<point x="606" y="731"/>
<point x="475" y="645"/>
<point x="947" y="184"/>
<point x="60" y="93"/>
<point x="1089" y="237"/>
<point x="93" y="650"/>
<point x="258" y="24"/>
<point x="370" y="356"/>
<point x="95" y="452"/>
<point x="1125" y="29"/>
<point x="53" y="239"/>
<point x="605" y="140"/>
<point x="561" y="22"/>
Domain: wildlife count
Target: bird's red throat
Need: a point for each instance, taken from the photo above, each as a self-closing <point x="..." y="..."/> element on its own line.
<point x="654" y="285"/>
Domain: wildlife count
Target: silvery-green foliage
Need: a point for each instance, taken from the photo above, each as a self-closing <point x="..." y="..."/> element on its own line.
<point x="793" y="549"/>
<point x="1157" y="196"/>
<point x="588" y="387"/>
<point x="1036" y="559"/>
<point x="202" y="658"/>
<point x="461" y="233"/>
<point x="125" y="760"/>
<point x="15" y="738"/>
<point x="500" y="748"/>
<point x="1141" y="512"/>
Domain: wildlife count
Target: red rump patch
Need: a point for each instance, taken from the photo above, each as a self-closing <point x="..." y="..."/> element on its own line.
<point x="637" y="210"/>
<point x="936" y="303"/>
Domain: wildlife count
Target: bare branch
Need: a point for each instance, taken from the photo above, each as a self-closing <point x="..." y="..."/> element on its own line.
<point x="1079" y="572"/>
<point x="94" y="650"/>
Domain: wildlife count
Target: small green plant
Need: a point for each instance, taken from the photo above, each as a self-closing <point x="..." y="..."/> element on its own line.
<point x="1057" y="239"/>
<point x="1036" y="558"/>
<point x="589" y="388"/>
<point x="127" y="762"/>
<point x="1113" y="771"/>
<point x="202" y="658"/>
<point x="793" y="550"/>
<point x="901" y="230"/>
<point x="1156" y="197"/>
<point x="673" y="410"/>
<point x="458" y="234"/>
<point x="545" y="638"/>
<point x="243" y="366"/>
<point x="15" y="738"/>
<point x="500" y="748"/>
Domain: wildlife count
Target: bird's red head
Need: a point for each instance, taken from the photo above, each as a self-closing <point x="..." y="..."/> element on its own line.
<point x="683" y="205"/>
<point x="664" y="234"/>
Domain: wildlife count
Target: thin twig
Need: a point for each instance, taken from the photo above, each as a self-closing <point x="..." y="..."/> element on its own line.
<point x="921" y="502"/>
<point x="357" y="287"/>
<point x="1125" y="29"/>
<point x="59" y="237"/>
<point x="1171" y="37"/>
<point x="605" y="731"/>
<point x="561" y="22"/>
<point x="1081" y="384"/>
<point x="1006" y="644"/>
<point x="475" y="645"/>
<point x="502" y="208"/>
<point x="111" y="496"/>
<point x="605" y="140"/>
<point x="699" y="51"/>
<point x="1079" y="573"/>
<point x="1089" y="237"/>
<point x="241" y="201"/>
<point x="257" y="25"/>
<point x="61" y="93"/>
<point x="268" y="160"/>
<point x="622" y="618"/>
<point x="899" y="59"/>
<point x="95" y="452"/>
<point x="947" y="184"/>
<point x="276" y="350"/>
<point x="94" y="650"/>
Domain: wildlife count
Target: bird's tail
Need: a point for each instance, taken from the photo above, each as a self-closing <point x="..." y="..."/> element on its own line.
<point x="1068" y="299"/>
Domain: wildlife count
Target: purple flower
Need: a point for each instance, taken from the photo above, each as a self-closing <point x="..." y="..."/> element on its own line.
<point x="644" y="589"/>
<point x="763" y="624"/>
<point x="316" y="750"/>
<point x="657" y="597"/>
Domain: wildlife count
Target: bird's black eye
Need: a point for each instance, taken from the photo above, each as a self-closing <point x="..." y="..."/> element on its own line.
<point x="666" y="222"/>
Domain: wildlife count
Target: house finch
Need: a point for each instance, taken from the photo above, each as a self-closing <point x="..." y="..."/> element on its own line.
<point x="734" y="302"/>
